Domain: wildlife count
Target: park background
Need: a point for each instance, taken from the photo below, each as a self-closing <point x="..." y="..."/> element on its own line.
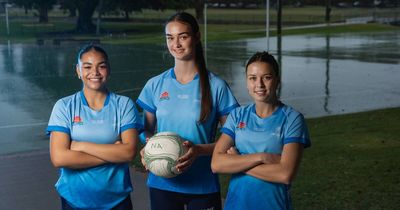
<point x="353" y="161"/>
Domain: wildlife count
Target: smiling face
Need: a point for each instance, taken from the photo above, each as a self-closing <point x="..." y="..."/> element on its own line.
<point x="180" y="40"/>
<point x="93" y="70"/>
<point x="262" y="82"/>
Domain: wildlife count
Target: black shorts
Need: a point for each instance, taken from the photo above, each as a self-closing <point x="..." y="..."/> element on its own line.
<point x="167" y="200"/>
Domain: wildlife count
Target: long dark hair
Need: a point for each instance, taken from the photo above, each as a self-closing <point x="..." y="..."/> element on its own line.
<point x="206" y="101"/>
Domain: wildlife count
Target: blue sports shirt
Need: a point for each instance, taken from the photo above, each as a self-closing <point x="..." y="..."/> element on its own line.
<point x="252" y="134"/>
<point x="177" y="109"/>
<point x="103" y="186"/>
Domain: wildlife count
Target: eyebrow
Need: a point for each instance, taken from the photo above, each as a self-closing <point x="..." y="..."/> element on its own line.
<point x="88" y="63"/>
<point x="179" y="34"/>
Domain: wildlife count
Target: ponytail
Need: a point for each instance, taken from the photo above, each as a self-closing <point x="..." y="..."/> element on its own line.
<point x="205" y="89"/>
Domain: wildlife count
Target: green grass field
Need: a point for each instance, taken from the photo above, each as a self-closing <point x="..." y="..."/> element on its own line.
<point x="147" y="27"/>
<point x="353" y="163"/>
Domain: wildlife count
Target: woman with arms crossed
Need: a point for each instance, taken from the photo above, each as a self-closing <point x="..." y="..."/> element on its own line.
<point x="261" y="144"/>
<point x="190" y="101"/>
<point x="93" y="136"/>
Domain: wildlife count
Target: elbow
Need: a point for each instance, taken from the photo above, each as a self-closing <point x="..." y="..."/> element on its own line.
<point x="215" y="167"/>
<point x="287" y="178"/>
<point x="129" y="155"/>
<point x="57" y="161"/>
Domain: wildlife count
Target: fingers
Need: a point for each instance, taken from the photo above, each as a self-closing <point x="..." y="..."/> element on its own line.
<point x="142" y="159"/>
<point x="183" y="166"/>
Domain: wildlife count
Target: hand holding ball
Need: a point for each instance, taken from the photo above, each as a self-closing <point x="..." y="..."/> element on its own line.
<point x="161" y="154"/>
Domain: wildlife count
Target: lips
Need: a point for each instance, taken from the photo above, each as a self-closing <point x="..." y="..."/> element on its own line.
<point x="95" y="79"/>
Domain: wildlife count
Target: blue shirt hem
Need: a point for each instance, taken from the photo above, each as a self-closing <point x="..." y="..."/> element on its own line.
<point x="57" y="128"/>
<point x="228" y="132"/>
<point x="145" y="106"/>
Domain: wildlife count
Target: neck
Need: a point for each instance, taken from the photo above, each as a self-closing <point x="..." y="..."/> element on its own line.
<point x="185" y="71"/>
<point x="264" y="110"/>
<point x="95" y="99"/>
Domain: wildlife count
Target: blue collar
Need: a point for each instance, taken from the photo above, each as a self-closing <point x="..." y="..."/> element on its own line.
<point x="174" y="76"/>
<point x="84" y="101"/>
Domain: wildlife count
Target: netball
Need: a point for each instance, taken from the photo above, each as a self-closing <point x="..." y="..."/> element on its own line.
<point x="161" y="154"/>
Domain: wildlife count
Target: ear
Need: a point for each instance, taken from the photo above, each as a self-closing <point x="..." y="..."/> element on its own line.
<point x="78" y="72"/>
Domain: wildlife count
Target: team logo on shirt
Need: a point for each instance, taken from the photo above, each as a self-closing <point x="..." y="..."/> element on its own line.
<point x="78" y="120"/>
<point x="241" y="125"/>
<point x="164" y="96"/>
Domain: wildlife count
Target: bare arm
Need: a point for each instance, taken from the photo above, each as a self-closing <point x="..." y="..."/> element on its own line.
<point x="115" y="153"/>
<point x="62" y="156"/>
<point x="227" y="160"/>
<point x="285" y="170"/>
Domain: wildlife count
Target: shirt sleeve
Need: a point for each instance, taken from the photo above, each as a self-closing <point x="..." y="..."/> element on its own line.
<point x="226" y="102"/>
<point x="131" y="118"/>
<point x="146" y="97"/>
<point x="229" y="126"/>
<point x="297" y="131"/>
<point x="60" y="119"/>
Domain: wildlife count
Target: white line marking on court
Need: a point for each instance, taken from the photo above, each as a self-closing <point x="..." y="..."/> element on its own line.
<point x="22" y="125"/>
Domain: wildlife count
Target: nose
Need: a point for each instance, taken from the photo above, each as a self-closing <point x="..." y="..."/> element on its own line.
<point x="177" y="43"/>
<point x="260" y="83"/>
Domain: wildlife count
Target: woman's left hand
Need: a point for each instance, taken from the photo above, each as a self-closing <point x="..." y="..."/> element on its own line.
<point x="187" y="159"/>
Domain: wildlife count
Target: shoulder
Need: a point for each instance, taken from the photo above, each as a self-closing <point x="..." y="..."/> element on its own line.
<point x="290" y="113"/>
<point x="120" y="99"/>
<point x="68" y="100"/>
<point x="216" y="80"/>
<point x="241" y="111"/>
<point x="159" y="78"/>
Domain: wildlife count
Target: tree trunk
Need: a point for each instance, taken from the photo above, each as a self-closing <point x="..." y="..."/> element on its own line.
<point x="199" y="9"/>
<point x="126" y="15"/>
<point x="72" y="12"/>
<point x="43" y="14"/>
<point x="84" y="22"/>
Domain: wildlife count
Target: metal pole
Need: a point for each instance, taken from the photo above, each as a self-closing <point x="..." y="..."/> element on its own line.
<point x="7" y="24"/>
<point x="267" y="22"/>
<point x="205" y="31"/>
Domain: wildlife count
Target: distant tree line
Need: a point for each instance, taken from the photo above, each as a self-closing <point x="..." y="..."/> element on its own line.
<point x="84" y="9"/>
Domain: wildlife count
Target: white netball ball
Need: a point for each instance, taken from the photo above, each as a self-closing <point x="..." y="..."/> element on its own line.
<point x="161" y="154"/>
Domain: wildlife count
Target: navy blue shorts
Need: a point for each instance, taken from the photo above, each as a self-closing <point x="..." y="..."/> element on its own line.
<point x="167" y="200"/>
<point x="126" y="204"/>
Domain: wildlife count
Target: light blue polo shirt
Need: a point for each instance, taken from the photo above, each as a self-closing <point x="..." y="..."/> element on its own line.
<point x="252" y="134"/>
<point x="177" y="109"/>
<point x="104" y="186"/>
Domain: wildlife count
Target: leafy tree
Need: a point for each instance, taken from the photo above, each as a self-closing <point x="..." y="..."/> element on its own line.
<point x="42" y="6"/>
<point x="86" y="9"/>
<point x="70" y="5"/>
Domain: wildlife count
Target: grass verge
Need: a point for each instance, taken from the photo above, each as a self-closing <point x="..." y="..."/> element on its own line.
<point x="352" y="163"/>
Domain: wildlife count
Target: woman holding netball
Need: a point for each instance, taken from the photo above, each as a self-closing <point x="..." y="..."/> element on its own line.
<point x="189" y="100"/>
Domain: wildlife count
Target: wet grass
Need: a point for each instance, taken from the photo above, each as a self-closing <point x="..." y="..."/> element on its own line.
<point x="147" y="27"/>
<point x="353" y="163"/>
